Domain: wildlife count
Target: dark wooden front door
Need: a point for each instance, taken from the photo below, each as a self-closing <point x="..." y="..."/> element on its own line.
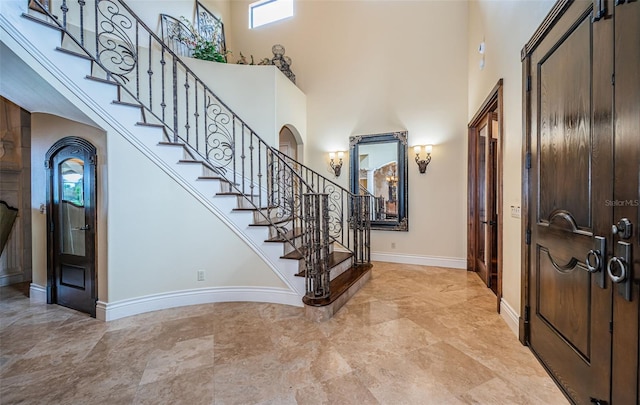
<point x="583" y="177"/>
<point x="72" y="226"/>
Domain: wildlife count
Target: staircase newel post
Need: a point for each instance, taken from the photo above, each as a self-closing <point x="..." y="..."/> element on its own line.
<point x="326" y="279"/>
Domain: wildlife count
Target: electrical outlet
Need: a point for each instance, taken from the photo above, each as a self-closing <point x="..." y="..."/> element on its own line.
<point x="200" y="275"/>
<point x="515" y="211"/>
<point x="393" y="245"/>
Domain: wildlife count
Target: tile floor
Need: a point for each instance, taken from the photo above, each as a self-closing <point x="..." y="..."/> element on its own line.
<point x="412" y="335"/>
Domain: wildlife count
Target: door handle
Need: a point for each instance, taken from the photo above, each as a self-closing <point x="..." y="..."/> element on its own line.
<point x="82" y="228"/>
<point x="595" y="260"/>
<point x="619" y="270"/>
<point x="624" y="228"/>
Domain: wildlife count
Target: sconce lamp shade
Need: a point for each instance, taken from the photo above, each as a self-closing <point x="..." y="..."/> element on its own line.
<point x="423" y="163"/>
<point x="336" y="167"/>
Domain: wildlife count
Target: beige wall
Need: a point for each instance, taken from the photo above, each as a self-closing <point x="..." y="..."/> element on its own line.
<point x="376" y="66"/>
<point x="504" y="26"/>
<point x="160" y="235"/>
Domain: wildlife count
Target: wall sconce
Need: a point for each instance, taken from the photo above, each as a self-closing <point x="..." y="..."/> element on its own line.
<point x="336" y="167"/>
<point x="423" y="163"/>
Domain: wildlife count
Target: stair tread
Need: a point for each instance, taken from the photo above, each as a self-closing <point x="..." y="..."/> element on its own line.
<point x="41" y="21"/>
<point x="163" y="143"/>
<point x="74" y="53"/>
<point x="335" y="258"/>
<point x="275" y="221"/>
<point x="234" y="193"/>
<point x="293" y="234"/>
<point x="191" y="161"/>
<point x="254" y="208"/>
<point x="101" y="80"/>
<point x="125" y="103"/>
<point x="340" y="285"/>
<point x="149" y="124"/>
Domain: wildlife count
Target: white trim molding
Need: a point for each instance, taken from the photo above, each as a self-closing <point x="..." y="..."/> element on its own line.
<point x="438" y="261"/>
<point x="109" y="311"/>
<point x="37" y="293"/>
<point x="510" y="316"/>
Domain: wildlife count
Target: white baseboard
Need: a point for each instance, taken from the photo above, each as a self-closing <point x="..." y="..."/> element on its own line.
<point x="510" y="316"/>
<point x="109" y="311"/>
<point x="439" y="261"/>
<point x="37" y="293"/>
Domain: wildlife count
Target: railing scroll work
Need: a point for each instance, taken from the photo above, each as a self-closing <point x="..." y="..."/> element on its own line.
<point x="149" y="73"/>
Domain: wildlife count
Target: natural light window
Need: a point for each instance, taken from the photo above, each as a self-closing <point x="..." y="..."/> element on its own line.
<point x="267" y="11"/>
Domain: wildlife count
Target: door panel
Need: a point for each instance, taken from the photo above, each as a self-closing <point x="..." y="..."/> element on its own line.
<point x="72" y="225"/>
<point x="564" y="136"/>
<point x="568" y="308"/>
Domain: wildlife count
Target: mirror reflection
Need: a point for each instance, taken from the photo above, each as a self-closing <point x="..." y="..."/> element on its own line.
<point x="378" y="169"/>
<point x="379" y="178"/>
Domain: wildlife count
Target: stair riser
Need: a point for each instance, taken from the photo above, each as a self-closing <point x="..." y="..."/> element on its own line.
<point x="212" y="187"/>
<point x="149" y="136"/>
<point x="189" y="171"/>
<point x="127" y="113"/>
<point x="335" y="271"/>
<point x="340" y="268"/>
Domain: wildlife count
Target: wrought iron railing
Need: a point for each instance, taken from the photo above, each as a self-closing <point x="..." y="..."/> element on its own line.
<point x="344" y="211"/>
<point x="182" y="37"/>
<point x="149" y="73"/>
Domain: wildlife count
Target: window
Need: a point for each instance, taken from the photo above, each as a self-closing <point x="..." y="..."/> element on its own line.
<point x="267" y="11"/>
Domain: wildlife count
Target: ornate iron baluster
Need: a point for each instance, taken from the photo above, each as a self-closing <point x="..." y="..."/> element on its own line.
<point x="150" y="73"/>
<point x="175" y="99"/>
<point x="64" y="10"/>
<point x="81" y="3"/>
<point x="163" y="105"/>
<point x="186" y="106"/>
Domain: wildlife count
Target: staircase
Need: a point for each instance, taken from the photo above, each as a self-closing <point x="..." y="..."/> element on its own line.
<point x="312" y="232"/>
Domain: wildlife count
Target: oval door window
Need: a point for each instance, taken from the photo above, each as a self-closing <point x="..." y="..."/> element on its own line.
<point x="72" y="209"/>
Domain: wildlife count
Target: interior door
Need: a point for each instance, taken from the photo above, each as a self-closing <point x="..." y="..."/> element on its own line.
<point x="487" y="230"/>
<point x="72" y="229"/>
<point x="571" y="179"/>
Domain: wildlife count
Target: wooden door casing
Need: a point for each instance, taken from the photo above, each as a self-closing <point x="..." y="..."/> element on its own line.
<point x="489" y="112"/>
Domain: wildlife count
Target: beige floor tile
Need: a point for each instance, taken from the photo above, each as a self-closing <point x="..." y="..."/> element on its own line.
<point x="412" y="335"/>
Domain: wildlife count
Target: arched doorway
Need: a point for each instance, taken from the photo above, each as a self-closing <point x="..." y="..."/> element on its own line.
<point x="291" y="143"/>
<point x="71" y="224"/>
